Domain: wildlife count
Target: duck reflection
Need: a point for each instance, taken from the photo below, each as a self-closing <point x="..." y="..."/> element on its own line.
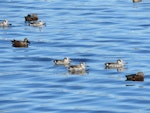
<point x="83" y="72"/>
<point x="119" y="69"/>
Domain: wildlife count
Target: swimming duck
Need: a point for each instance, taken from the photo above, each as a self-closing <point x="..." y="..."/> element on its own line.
<point x="4" y="23"/>
<point x="31" y="17"/>
<point x="77" y="68"/>
<point x="137" y="0"/>
<point x="117" y="64"/>
<point x="65" y="61"/>
<point x="17" y="43"/>
<point x="37" y="23"/>
<point x="135" y="77"/>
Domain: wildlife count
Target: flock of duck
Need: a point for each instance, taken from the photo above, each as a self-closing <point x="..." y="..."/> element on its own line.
<point x="73" y="69"/>
<point x="32" y="19"/>
<point x="80" y="68"/>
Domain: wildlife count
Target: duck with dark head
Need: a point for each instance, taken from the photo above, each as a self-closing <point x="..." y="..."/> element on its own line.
<point x="18" y="43"/>
<point x="65" y="61"/>
<point x="5" y="23"/>
<point x="118" y="64"/>
<point x="135" y="77"/>
<point x="31" y="17"/>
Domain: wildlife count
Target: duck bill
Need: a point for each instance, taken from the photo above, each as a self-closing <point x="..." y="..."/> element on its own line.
<point x="28" y="42"/>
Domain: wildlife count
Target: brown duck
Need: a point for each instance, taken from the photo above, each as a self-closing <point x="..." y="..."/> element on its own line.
<point x="17" y="43"/>
<point x="135" y="77"/>
<point x="31" y="17"/>
<point x="137" y="0"/>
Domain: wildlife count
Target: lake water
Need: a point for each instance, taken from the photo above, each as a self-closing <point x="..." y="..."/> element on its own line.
<point x="91" y="31"/>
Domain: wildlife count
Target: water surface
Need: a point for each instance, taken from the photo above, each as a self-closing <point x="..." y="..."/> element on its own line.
<point x="88" y="31"/>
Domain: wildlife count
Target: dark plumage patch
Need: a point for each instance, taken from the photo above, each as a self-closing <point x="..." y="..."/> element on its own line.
<point x="31" y="17"/>
<point x="135" y="77"/>
<point x="17" y="43"/>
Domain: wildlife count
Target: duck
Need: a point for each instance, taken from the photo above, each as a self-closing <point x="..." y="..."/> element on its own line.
<point x="18" y="43"/>
<point x="65" y="61"/>
<point x="4" y="23"/>
<point x="77" y="68"/>
<point x="137" y="0"/>
<point x="31" y="17"/>
<point x="37" y="23"/>
<point x="135" y="77"/>
<point x="118" y="64"/>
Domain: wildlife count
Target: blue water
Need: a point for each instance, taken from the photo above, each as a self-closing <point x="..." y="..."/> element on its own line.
<point x="91" y="31"/>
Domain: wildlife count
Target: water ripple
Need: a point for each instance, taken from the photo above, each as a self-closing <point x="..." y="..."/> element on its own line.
<point x="94" y="32"/>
